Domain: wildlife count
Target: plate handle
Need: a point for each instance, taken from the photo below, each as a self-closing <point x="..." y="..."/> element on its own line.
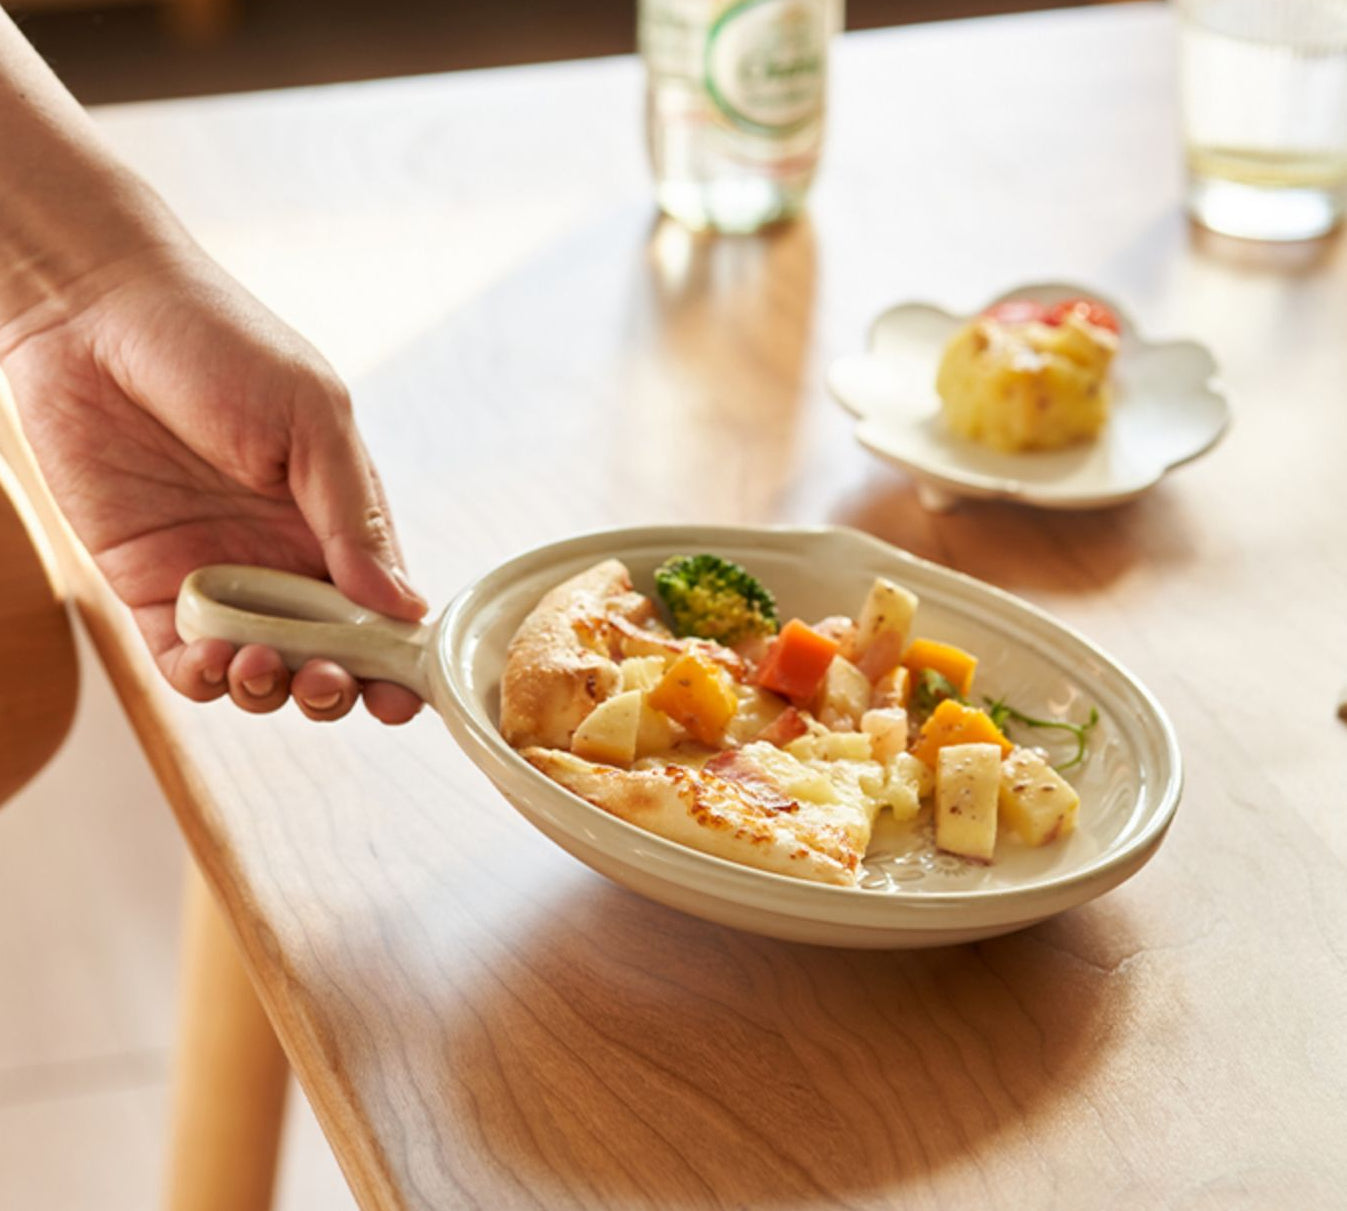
<point x="304" y="618"/>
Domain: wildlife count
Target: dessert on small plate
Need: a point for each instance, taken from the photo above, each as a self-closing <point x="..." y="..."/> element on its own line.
<point x="1047" y="396"/>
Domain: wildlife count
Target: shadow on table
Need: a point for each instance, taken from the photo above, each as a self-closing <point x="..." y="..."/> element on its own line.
<point x="1295" y="258"/>
<point x="1019" y="547"/>
<point x="715" y="364"/>
<point x="627" y="1055"/>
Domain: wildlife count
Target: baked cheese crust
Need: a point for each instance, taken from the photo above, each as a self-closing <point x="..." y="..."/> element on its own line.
<point x="560" y="664"/>
<point x="732" y="813"/>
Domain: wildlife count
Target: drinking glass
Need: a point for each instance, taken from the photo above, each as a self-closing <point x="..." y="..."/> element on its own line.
<point x="1263" y="85"/>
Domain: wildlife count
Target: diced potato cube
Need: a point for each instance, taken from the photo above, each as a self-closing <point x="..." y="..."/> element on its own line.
<point x="953" y="723"/>
<point x="843" y="697"/>
<point x="967" y="782"/>
<point x="698" y="694"/>
<point x="888" y="610"/>
<point x="656" y="732"/>
<point x="1035" y="800"/>
<point x="641" y="672"/>
<point x="887" y="726"/>
<point x="608" y="733"/>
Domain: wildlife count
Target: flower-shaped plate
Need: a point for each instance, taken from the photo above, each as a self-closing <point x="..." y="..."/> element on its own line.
<point x="1166" y="410"/>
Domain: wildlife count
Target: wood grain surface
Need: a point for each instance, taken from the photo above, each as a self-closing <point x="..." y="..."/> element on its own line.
<point x="479" y="1021"/>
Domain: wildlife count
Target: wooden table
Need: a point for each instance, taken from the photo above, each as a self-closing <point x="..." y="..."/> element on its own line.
<point x="478" y="1020"/>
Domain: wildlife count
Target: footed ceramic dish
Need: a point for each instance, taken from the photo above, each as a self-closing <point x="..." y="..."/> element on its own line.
<point x="910" y="895"/>
<point x="1166" y="411"/>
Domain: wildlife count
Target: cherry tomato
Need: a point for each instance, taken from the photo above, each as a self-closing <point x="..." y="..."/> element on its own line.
<point x="1089" y="310"/>
<point x="1016" y="311"/>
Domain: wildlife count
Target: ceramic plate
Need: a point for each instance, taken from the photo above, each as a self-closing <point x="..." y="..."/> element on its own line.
<point x="912" y="895"/>
<point x="1166" y="411"/>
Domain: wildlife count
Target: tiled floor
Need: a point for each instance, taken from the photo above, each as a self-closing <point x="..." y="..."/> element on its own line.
<point x="90" y="876"/>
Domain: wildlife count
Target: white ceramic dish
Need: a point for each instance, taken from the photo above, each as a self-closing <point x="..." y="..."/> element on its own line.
<point x="1166" y="411"/>
<point x="1129" y="784"/>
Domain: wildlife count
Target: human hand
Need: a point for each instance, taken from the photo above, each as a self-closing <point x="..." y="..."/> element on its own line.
<point x="179" y="423"/>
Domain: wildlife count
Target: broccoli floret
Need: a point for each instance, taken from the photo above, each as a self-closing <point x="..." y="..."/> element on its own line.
<point x="712" y="598"/>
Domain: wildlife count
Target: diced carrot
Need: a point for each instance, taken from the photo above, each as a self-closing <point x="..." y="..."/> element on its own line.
<point x="954" y="664"/>
<point x="796" y="662"/>
<point x="953" y="723"/>
<point x="698" y="694"/>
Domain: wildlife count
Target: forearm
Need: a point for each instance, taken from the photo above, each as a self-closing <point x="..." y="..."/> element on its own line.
<point x="70" y="212"/>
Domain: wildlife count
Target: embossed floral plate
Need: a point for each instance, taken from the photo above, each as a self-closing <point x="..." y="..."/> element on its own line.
<point x="911" y="896"/>
<point x="1166" y="411"/>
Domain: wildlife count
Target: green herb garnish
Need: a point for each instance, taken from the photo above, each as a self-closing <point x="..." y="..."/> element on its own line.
<point x="1001" y="711"/>
<point x="932" y="688"/>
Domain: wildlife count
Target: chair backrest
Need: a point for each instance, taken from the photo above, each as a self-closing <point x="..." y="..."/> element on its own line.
<point x="39" y="672"/>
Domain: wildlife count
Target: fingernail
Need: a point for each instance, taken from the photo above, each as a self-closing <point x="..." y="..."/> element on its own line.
<point x="323" y="702"/>
<point x="212" y="675"/>
<point x="260" y="687"/>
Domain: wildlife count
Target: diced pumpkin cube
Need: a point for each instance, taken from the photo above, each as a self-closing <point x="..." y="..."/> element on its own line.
<point x="954" y="664"/>
<point x="698" y="694"/>
<point x="953" y="723"/>
<point x="1035" y="800"/>
<point x="967" y="779"/>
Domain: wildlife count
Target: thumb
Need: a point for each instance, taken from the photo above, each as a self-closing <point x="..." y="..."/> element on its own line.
<point x="338" y="492"/>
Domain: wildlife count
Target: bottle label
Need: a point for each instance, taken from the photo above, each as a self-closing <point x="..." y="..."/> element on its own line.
<point x="671" y="39"/>
<point x="764" y="66"/>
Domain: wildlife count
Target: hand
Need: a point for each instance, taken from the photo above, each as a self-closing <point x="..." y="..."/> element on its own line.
<point x="179" y="423"/>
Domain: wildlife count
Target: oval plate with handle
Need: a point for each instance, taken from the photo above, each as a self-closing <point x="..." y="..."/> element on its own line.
<point x="911" y="895"/>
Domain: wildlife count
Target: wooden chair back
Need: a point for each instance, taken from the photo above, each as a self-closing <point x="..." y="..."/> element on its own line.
<point x="39" y="672"/>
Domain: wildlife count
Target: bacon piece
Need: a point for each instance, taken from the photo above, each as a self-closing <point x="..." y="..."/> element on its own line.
<point x="787" y="726"/>
<point x="733" y="766"/>
<point x="882" y="656"/>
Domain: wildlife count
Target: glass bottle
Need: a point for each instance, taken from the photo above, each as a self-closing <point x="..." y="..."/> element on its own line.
<point x="735" y="93"/>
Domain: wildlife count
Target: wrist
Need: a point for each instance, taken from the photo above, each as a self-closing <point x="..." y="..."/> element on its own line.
<point x="64" y="246"/>
<point x="73" y="214"/>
